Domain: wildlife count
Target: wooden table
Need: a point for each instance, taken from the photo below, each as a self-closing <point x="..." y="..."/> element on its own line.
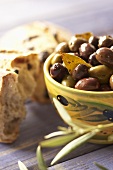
<point x="77" y="16"/>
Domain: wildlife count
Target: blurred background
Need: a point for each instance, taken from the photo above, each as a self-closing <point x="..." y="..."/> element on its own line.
<point x="75" y="15"/>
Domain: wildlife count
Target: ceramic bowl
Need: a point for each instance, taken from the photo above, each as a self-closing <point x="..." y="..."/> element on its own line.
<point x="87" y="108"/>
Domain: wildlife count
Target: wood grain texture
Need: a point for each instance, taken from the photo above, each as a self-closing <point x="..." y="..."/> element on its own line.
<point x="40" y="120"/>
<point x="102" y="156"/>
<point x="77" y="16"/>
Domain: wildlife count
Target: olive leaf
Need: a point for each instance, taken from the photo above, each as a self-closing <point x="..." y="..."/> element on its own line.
<point x="58" y="141"/>
<point x="22" y="166"/>
<point x="64" y="129"/>
<point x="63" y="113"/>
<point x="58" y="133"/>
<point x="85" y="35"/>
<point x="71" y="61"/>
<point x="100" y="166"/>
<point x="40" y="159"/>
<point x="74" y="144"/>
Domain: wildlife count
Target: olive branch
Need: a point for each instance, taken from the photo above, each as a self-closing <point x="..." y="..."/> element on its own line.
<point x="72" y="137"/>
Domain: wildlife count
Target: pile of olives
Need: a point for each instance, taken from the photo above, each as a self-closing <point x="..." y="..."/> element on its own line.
<point x="95" y="50"/>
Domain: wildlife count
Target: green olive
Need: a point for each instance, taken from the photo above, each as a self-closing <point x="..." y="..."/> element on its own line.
<point x="56" y="59"/>
<point x="62" y="47"/>
<point x="101" y="72"/>
<point x="68" y="81"/>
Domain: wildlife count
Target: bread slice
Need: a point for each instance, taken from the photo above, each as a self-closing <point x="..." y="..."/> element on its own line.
<point x="12" y="110"/>
<point x="25" y="65"/>
<point x="17" y="85"/>
<point x="38" y="38"/>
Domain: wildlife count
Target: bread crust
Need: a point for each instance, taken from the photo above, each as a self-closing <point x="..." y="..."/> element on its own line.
<point x="20" y="51"/>
<point x="35" y="38"/>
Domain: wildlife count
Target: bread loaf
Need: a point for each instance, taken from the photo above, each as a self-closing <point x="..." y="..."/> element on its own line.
<point x="40" y="38"/>
<point x="23" y="51"/>
<point x="25" y="65"/>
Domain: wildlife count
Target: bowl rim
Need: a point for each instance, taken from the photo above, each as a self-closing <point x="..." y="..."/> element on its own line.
<point x="72" y="90"/>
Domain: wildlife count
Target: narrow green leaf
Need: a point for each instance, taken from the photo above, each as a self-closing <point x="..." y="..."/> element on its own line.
<point x="22" y="166"/>
<point x="40" y="159"/>
<point x="58" y="133"/>
<point x="64" y="128"/>
<point x="58" y="141"/>
<point x="100" y="166"/>
<point x="74" y="144"/>
<point x="63" y="113"/>
<point x="69" y="129"/>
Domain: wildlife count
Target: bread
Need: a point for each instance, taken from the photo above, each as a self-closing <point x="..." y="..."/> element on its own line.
<point x="26" y="66"/>
<point x="39" y="38"/>
<point x="17" y="85"/>
<point x="23" y="51"/>
<point x="12" y="110"/>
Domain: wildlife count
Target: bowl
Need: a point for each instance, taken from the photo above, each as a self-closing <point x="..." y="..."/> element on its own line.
<point x="86" y="108"/>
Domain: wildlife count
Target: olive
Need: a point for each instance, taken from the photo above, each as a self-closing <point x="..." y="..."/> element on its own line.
<point x="104" y="87"/>
<point x="56" y="59"/>
<point x="111" y="82"/>
<point x="105" y="56"/>
<point x="92" y="60"/>
<point x="86" y="50"/>
<point x="62" y="47"/>
<point x="94" y="41"/>
<point x="80" y="71"/>
<point x="43" y="56"/>
<point x="89" y="84"/>
<point x="58" y="71"/>
<point x="76" y="54"/>
<point x="101" y="72"/>
<point x="105" y="41"/>
<point x="75" y="43"/>
<point x="68" y="81"/>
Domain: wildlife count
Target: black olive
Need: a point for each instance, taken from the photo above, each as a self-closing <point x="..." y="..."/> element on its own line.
<point x="58" y="71"/>
<point x="94" y="41"/>
<point x="92" y="60"/>
<point x="81" y="71"/>
<point x="86" y="50"/>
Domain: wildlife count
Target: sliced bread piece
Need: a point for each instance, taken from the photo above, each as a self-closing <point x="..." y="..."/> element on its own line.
<point x="12" y="110"/>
